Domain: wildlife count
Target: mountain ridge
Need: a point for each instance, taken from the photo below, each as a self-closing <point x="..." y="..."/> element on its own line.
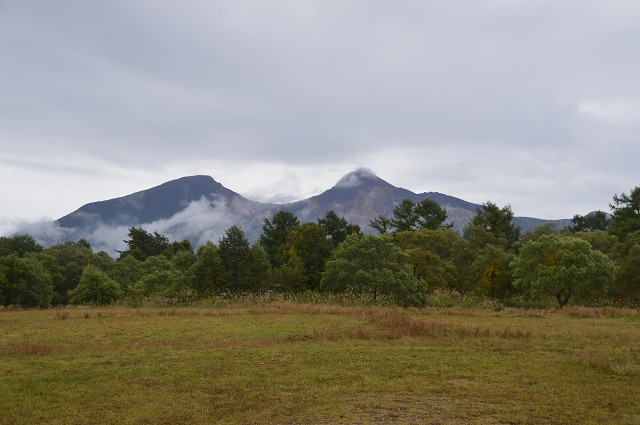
<point x="199" y="208"/>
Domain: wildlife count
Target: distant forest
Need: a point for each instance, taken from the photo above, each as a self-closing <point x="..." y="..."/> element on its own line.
<point x="595" y="261"/>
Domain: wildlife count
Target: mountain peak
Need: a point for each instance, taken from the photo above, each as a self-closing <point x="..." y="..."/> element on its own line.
<point x="359" y="177"/>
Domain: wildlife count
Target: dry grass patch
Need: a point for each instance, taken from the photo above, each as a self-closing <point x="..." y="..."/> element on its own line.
<point x="27" y="348"/>
<point x="579" y="311"/>
<point x="625" y="362"/>
<point x="286" y="363"/>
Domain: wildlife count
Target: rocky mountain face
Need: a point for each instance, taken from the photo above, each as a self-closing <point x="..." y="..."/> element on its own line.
<point x="157" y="203"/>
<point x="200" y="209"/>
<point x="361" y="195"/>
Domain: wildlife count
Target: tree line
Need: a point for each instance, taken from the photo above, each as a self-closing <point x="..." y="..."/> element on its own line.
<point x="596" y="259"/>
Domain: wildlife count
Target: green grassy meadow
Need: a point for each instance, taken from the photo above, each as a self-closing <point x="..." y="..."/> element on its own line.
<point x="289" y="363"/>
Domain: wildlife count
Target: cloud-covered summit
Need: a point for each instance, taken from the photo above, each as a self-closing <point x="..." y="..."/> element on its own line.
<point x="356" y="178"/>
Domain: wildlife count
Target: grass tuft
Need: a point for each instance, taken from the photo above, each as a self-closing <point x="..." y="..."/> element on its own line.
<point x="61" y="314"/>
<point x="26" y="348"/>
<point x="623" y="363"/>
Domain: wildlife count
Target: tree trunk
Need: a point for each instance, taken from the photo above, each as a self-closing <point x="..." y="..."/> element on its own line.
<point x="563" y="296"/>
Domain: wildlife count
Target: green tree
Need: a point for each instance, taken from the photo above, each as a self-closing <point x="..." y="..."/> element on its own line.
<point x="24" y="281"/>
<point x="153" y="276"/>
<point x="492" y="225"/>
<point x="431" y="215"/>
<point x="601" y="240"/>
<point x="535" y="234"/>
<point x="177" y="247"/>
<point x="126" y="271"/>
<point x="154" y="283"/>
<point x="309" y="242"/>
<point x="625" y="215"/>
<point x="337" y="228"/>
<point x="592" y="222"/>
<point x="21" y="245"/>
<point x="259" y="271"/>
<point x="154" y="264"/>
<point x="246" y="268"/>
<point x="234" y="254"/>
<point x="184" y="259"/>
<point x="562" y="267"/>
<point x="65" y="263"/>
<point x="103" y="261"/>
<point x="410" y="216"/>
<point x="381" y="224"/>
<point x="95" y="288"/>
<point x="373" y="265"/>
<point x="208" y="271"/>
<point x="143" y="244"/>
<point x="274" y="234"/>
<point x="627" y="283"/>
<point x="290" y="276"/>
<point x="429" y="254"/>
<point x="405" y="217"/>
<point x="491" y="272"/>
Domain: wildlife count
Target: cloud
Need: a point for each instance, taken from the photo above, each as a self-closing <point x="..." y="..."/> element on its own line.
<point x="313" y="89"/>
<point x="201" y="221"/>
<point x="355" y="178"/>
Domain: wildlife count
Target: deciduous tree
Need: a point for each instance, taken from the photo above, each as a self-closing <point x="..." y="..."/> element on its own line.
<point x="373" y="265"/>
<point x="429" y="254"/>
<point x="65" y="263"/>
<point x="491" y="272"/>
<point x="627" y="283"/>
<point x="21" y="245"/>
<point x="290" y="276"/>
<point x="309" y="242"/>
<point x="562" y="267"/>
<point x="24" y="281"/>
<point x="95" y="288"/>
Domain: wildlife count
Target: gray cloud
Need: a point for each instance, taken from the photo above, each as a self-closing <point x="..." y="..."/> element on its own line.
<point x="199" y="222"/>
<point x="533" y="103"/>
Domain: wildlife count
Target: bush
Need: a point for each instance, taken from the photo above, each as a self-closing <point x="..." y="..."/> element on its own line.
<point x="95" y="288"/>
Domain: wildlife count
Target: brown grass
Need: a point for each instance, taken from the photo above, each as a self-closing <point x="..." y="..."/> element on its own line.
<point x="26" y="348"/>
<point x="286" y="363"/>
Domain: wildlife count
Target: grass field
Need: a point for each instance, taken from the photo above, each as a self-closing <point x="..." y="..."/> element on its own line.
<point x="289" y="363"/>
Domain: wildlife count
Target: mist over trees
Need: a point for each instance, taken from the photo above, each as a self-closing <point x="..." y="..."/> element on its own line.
<point x="596" y="260"/>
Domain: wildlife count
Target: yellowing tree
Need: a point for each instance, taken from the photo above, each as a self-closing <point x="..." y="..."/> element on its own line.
<point x="562" y="267"/>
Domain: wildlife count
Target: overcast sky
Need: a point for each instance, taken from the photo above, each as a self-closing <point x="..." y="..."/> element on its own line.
<point x="535" y="104"/>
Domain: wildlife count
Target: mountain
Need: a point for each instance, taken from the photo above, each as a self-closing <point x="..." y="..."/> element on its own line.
<point x="196" y="208"/>
<point x="147" y="206"/>
<point x="361" y="195"/>
<point x="200" y="209"/>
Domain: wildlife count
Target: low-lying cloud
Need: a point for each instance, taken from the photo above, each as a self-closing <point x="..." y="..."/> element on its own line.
<point x="201" y="221"/>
